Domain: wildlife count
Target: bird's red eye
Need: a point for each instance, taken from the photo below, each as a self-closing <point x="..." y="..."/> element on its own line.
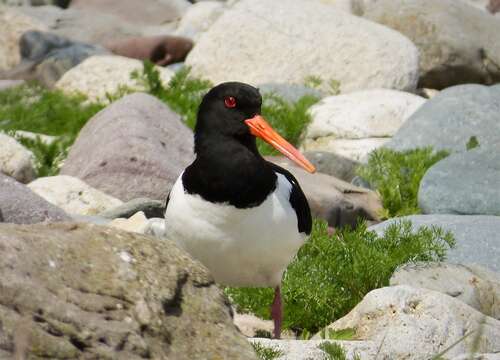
<point x="230" y="102"/>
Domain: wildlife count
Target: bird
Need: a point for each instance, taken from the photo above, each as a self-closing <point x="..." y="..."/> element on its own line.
<point x="242" y="217"/>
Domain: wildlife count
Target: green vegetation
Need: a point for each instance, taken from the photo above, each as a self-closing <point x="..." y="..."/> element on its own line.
<point x="397" y="175"/>
<point x="472" y="143"/>
<point x="266" y="353"/>
<point x="334" y="351"/>
<point x="343" y="334"/>
<point x="332" y="273"/>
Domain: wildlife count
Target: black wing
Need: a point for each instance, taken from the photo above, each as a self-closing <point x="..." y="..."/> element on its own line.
<point x="298" y="200"/>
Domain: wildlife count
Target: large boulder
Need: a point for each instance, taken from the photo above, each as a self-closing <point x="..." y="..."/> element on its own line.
<point x="199" y="17"/>
<point x="465" y="183"/>
<point x="352" y="125"/>
<point x="477" y="240"/>
<point x="75" y="291"/>
<point x="291" y="41"/>
<point x="20" y="205"/>
<point x="451" y="118"/>
<point x="101" y="76"/>
<point x="456" y="41"/>
<point x="15" y="160"/>
<point x="416" y="323"/>
<point x="73" y="195"/>
<point x="136" y="147"/>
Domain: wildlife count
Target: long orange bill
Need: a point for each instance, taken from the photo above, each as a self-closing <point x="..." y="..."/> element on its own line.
<point x="259" y="127"/>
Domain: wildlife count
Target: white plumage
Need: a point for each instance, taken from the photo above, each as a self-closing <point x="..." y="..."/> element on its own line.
<point x="240" y="247"/>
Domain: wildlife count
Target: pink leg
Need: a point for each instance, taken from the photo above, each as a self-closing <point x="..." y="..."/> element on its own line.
<point x="277" y="312"/>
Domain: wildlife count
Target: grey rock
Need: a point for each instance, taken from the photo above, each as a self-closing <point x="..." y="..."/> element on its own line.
<point x="83" y="291"/>
<point x="20" y="205"/>
<point x="464" y="183"/>
<point x="451" y="118"/>
<point x="333" y="164"/>
<point x="136" y="147"/>
<point x="468" y="356"/>
<point x="8" y="84"/>
<point x="477" y="237"/>
<point x="290" y="92"/>
<point x="473" y="285"/>
<point x="456" y="41"/>
<point x="150" y="208"/>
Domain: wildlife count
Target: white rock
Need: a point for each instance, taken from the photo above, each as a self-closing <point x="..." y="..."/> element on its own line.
<point x="474" y="285"/>
<point x="15" y="160"/>
<point x="137" y="223"/>
<point x="415" y="323"/>
<point x="309" y="349"/>
<point x="100" y="75"/>
<point x="249" y="324"/>
<point x="12" y="25"/>
<point x="286" y="42"/>
<point x="468" y="356"/>
<point x="198" y="18"/>
<point x="73" y="195"/>
<point x="354" y="149"/>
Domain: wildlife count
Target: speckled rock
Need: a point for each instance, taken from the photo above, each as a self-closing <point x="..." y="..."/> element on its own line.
<point x="73" y="195"/>
<point x="277" y="42"/>
<point x="74" y="291"/>
<point x="136" y="147"/>
<point x="199" y="17"/>
<point x="15" y="160"/>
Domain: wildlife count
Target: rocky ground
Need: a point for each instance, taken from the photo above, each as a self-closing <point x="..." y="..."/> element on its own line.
<point x="86" y="269"/>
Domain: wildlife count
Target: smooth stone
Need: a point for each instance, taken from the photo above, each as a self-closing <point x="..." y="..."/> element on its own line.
<point x="15" y="160"/>
<point x="276" y="43"/>
<point x="357" y="150"/>
<point x="198" y="18"/>
<point x="9" y="84"/>
<point x="451" y="118"/>
<point x="476" y="236"/>
<point x="20" y="205"/>
<point x="136" y="147"/>
<point x="137" y="223"/>
<point x="332" y="164"/>
<point x="250" y="325"/>
<point x="109" y="294"/>
<point x="150" y="208"/>
<point x="73" y="195"/>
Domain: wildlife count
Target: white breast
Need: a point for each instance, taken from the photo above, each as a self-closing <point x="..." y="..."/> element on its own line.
<point x="241" y="247"/>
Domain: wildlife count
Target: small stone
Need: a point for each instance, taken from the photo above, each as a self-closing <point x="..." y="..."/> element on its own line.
<point x="15" y="160"/>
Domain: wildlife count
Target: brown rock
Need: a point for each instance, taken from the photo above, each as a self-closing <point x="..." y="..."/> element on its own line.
<point x="494" y="6"/>
<point x="73" y="291"/>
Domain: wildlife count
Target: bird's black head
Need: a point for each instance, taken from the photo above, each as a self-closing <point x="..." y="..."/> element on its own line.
<point x="225" y="108"/>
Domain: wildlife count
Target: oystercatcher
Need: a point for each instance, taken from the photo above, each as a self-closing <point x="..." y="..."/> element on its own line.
<point x="241" y="216"/>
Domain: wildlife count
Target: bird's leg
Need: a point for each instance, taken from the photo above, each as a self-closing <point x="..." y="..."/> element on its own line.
<point x="277" y="312"/>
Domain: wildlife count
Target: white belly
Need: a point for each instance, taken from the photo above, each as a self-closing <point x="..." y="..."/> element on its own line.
<point x="240" y="247"/>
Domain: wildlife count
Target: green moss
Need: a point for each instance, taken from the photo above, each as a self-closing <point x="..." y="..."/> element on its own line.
<point x="335" y="351"/>
<point x="266" y="353"/>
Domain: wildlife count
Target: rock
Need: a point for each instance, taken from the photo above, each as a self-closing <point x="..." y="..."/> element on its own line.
<point x="451" y="118"/>
<point x="287" y="42"/>
<point x="86" y="291"/>
<point x="403" y="319"/>
<point x="99" y="76"/>
<point x="198" y="18"/>
<point x="477" y="357"/>
<point x="464" y="183"/>
<point x="333" y="164"/>
<point x="250" y="325"/>
<point x="494" y="6"/>
<point x="12" y="25"/>
<point x="15" y="160"/>
<point x="337" y="202"/>
<point x="136" y="223"/>
<point x="151" y="12"/>
<point x="161" y="50"/>
<point x="473" y="285"/>
<point x="476" y="236"/>
<point x="136" y="147"/>
<point x="367" y="118"/>
<point x="20" y="205"/>
<point x="9" y="84"/>
<point x="73" y="195"/>
<point x="300" y="349"/>
<point x="455" y="40"/>
<point x="150" y="208"/>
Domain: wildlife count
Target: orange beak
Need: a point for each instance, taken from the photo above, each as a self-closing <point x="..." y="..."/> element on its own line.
<point x="259" y="127"/>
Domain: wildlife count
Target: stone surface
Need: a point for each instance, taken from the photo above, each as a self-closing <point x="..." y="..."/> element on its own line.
<point x="286" y="42"/>
<point x="475" y="286"/>
<point x="15" y="160"/>
<point x="150" y="208"/>
<point x="137" y="223"/>
<point x="20" y="205"/>
<point x="333" y="164"/>
<point x="334" y="200"/>
<point x="136" y="147"/>
<point x="84" y="291"/>
<point x="371" y="115"/>
<point x="309" y="349"/>
<point x="416" y="323"/>
<point x="12" y="25"/>
<point x="73" y="195"/>
<point x="250" y="325"/>
<point x="98" y="76"/>
<point x="448" y="120"/>
<point x="198" y="18"/>
<point x="464" y="183"/>
<point x="477" y="357"/>
<point x="476" y="236"/>
<point x="456" y="41"/>
<point x="8" y="84"/>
